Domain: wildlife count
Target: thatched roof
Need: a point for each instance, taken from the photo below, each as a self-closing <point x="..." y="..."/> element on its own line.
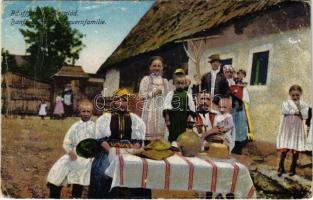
<point x="71" y="71"/>
<point x="172" y="20"/>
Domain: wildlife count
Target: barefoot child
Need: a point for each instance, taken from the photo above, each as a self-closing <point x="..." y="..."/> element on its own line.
<point x="291" y="135"/>
<point x="71" y="169"/>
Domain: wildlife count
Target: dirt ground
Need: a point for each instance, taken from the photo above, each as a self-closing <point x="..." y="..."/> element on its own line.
<point x="30" y="146"/>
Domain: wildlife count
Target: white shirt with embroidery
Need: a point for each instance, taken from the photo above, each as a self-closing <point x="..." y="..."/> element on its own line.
<point x="213" y="79"/>
<point x="78" y="171"/>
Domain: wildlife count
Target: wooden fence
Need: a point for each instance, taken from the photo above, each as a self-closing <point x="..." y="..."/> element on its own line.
<point x="21" y="95"/>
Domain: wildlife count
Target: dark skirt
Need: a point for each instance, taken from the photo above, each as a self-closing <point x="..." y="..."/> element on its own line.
<point x="100" y="183"/>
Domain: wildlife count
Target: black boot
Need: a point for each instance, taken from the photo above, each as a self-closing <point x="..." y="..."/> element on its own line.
<point x="281" y="166"/>
<point x="293" y="165"/>
<point x="77" y="191"/>
<point x="55" y="191"/>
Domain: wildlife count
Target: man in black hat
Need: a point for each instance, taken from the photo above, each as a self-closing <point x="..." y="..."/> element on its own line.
<point x="214" y="81"/>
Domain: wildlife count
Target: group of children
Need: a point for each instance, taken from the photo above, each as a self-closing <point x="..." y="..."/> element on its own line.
<point x="169" y="111"/>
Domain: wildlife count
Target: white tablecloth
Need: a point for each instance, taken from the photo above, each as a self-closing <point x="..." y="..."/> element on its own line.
<point x="180" y="173"/>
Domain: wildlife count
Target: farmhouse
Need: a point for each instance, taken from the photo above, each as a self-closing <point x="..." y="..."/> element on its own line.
<point x="269" y="39"/>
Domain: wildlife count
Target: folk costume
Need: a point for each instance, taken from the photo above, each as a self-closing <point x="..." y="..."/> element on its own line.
<point x="117" y="125"/>
<point x="43" y="107"/>
<point x="213" y="82"/>
<point x="205" y="120"/>
<point x="178" y="105"/>
<point x="291" y="135"/>
<point x="153" y="105"/>
<point x="241" y="115"/>
<point x="65" y="171"/>
<point x="228" y="137"/>
<point x="59" y="108"/>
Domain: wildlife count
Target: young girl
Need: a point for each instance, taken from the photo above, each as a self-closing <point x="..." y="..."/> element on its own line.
<point x="152" y="90"/>
<point x="43" y="109"/>
<point x="59" y="108"/>
<point x="291" y="134"/>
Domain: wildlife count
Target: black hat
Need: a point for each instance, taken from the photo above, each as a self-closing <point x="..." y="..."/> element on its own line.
<point x="88" y="148"/>
<point x="214" y="57"/>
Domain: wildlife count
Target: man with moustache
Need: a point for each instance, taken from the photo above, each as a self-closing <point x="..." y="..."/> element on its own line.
<point x="205" y="117"/>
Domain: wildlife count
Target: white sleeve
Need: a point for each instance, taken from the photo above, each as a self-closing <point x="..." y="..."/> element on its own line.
<point x="167" y="87"/>
<point x="191" y="103"/>
<point x="287" y="109"/>
<point x="228" y="123"/>
<point x="144" y="87"/>
<point x="304" y="110"/>
<point x="138" y="127"/>
<point x="103" y="126"/>
<point x="168" y="101"/>
<point x="93" y="130"/>
<point x="231" y="133"/>
<point x="68" y="143"/>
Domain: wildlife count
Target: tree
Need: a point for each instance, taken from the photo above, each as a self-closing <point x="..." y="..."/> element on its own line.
<point x="51" y="42"/>
<point x="8" y="63"/>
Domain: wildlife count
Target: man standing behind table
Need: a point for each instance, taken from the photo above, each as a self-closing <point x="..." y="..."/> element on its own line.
<point x="214" y="81"/>
<point x="120" y="124"/>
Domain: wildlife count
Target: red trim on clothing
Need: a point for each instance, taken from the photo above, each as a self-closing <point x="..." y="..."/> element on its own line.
<point x="212" y="117"/>
<point x="167" y="175"/>
<point x="121" y="159"/>
<point x="117" y="151"/>
<point x="251" y="192"/>
<point x="234" y="179"/>
<point x="191" y="172"/>
<point x="214" y="175"/>
<point x="144" y="172"/>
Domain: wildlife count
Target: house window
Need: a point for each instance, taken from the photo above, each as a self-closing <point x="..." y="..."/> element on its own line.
<point x="259" y="68"/>
<point x="227" y="61"/>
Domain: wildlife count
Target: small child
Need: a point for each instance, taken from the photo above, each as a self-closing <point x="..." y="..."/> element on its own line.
<point x="224" y="132"/>
<point x="241" y="74"/>
<point x="291" y="135"/>
<point x="178" y="107"/>
<point x="70" y="169"/>
<point x="43" y="109"/>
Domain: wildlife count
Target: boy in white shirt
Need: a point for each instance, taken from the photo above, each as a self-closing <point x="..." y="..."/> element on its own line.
<point x="71" y="169"/>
